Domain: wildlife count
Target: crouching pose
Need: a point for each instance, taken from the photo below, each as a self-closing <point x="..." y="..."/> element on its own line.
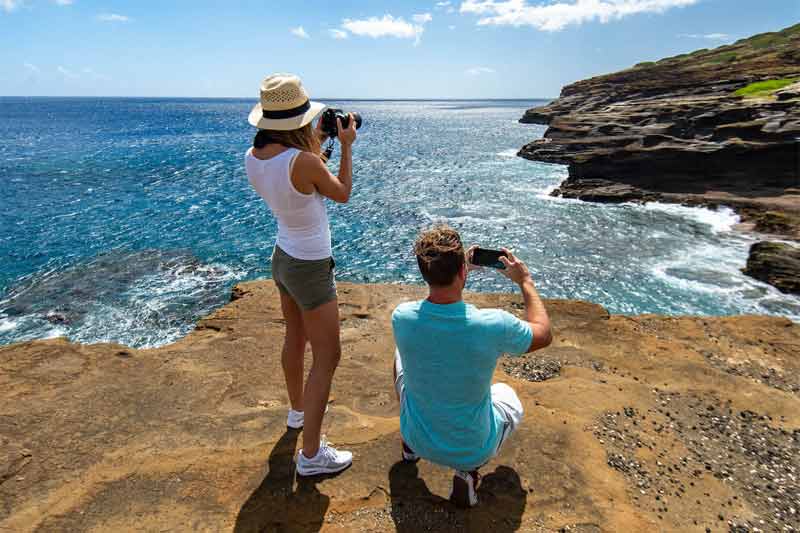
<point x="447" y="350"/>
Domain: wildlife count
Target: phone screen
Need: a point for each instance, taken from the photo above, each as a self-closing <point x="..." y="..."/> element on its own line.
<point x="488" y="258"/>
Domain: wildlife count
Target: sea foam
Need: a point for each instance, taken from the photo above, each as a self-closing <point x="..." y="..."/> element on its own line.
<point x="722" y="219"/>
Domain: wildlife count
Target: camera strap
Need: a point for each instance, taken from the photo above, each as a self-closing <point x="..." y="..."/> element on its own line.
<point x="328" y="150"/>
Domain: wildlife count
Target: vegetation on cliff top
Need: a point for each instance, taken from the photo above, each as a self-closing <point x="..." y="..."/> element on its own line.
<point x="773" y="55"/>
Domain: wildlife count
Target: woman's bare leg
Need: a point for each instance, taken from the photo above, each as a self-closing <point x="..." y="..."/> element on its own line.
<point x="322" y="329"/>
<point x="294" y="347"/>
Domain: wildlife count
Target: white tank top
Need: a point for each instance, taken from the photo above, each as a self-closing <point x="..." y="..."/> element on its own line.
<point x="303" y="228"/>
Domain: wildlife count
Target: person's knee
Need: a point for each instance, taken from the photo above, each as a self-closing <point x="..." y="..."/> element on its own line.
<point x="502" y="393"/>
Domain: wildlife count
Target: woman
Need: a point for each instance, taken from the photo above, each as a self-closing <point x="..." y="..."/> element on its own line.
<point x="286" y="169"/>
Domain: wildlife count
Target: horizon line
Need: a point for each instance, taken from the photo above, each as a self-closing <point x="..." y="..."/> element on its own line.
<point x="418" y="99"/>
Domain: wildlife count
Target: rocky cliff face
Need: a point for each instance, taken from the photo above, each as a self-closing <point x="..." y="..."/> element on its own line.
<point x="678" y="125"/>
<point x="714" y="127"/>
<point x="631" y="424"/>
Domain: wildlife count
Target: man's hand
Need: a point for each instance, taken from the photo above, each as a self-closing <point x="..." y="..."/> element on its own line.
<point x="347" y="136"/>
<point x="515" y="270"/>
<point x="470" y="265"/>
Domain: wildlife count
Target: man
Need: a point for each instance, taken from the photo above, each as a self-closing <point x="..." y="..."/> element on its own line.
<point x="447" y="350"/>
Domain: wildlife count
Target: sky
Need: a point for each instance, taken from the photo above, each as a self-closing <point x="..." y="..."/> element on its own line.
<point x="354" y="49"/>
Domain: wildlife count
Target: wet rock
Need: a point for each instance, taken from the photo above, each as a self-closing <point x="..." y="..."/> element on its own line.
<point x="56" y="318"/>
<point x="777" y="264"/>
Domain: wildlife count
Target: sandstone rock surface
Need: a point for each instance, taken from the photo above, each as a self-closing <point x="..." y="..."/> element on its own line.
<point x="632" y="424"/>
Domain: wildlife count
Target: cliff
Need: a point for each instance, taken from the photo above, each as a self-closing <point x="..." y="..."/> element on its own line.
<point x="714" y="127"/>
<point x="632" y="424"/>
<point x="698" y="128"/>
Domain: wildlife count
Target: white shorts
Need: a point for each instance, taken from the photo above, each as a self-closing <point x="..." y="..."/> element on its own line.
<point x="504" y="400"/>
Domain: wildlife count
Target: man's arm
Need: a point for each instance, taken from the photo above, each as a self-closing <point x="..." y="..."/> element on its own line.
<point x="535" y="312"/>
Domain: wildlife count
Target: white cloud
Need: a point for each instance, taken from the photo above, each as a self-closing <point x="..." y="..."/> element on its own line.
<point x="422" y="18"/>
<point x="477" y="71"/>
<point x="33" y="69"/>
<point x="113" y="17"/>
<point x="708" y="36"/>
<point x="555" y="16"/>
<point x="10" y="5"/>
<point x="338" y="34"/>
<point x="300" y="32"/>
<point x="443" y="4"/>
<point x="451" y="27"/>
<point x="387" y="26"/>
<point x="67" y="73"/>
<point x="63" y="2"/>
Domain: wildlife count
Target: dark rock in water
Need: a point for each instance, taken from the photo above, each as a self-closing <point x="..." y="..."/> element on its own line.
<point x="777" y="264"/>
<point x="602" y="191"/>
<point x="128" y="296"/>
<point x="676" y="131"/>
<point x="56" y="318"/>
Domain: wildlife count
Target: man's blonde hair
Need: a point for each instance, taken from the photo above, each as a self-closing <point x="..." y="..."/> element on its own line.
<point x="440" y="254"/>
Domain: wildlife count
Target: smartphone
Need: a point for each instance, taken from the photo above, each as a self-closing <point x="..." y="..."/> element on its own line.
<point x="488" y="258"/>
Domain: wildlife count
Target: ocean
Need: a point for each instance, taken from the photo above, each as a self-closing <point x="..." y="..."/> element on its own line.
<point x="126" y="220"/>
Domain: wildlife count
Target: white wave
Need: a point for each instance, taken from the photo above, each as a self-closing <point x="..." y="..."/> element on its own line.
<point x="547" y="191"/>
<point x="55" y="333"/>
<point x="722" y="264"/>
<point x="511" y="152"/>
<point x="721" y="220"/>
<point x="7" y="324"/>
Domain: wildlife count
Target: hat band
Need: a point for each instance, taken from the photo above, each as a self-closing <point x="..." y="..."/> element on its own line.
<point x="287" y="113"/>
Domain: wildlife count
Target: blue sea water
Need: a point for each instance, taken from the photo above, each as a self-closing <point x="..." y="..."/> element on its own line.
<point x="126" y="220"/>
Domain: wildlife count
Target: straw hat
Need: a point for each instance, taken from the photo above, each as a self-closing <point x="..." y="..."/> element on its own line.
<point x="284" y="104"/>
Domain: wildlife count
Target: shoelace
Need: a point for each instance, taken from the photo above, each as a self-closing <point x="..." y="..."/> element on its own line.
<point x="326" y="447"/>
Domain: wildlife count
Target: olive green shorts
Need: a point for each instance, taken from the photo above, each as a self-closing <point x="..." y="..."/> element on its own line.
<point x="309" y="283"/>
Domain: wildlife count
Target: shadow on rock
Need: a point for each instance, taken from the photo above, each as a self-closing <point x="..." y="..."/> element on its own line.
<point x="501" y="503"/>
<point x="277" y="505"/>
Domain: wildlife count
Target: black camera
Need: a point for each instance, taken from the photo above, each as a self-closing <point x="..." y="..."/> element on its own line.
<point x="329" y="117"/>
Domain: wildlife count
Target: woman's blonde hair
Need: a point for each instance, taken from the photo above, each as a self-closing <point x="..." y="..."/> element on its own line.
<point x="304" y="139"/>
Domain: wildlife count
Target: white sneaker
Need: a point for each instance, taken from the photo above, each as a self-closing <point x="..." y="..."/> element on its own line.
<point x="296" y="419"/>
<point x="463" y="493"/>
<point x="328" y="460"/>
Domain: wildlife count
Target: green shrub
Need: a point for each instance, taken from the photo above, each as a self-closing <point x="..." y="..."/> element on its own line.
<point x="765" y="88"/>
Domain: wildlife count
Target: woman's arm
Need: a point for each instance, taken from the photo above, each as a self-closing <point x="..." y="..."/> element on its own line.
<point x="310" y="173"/>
